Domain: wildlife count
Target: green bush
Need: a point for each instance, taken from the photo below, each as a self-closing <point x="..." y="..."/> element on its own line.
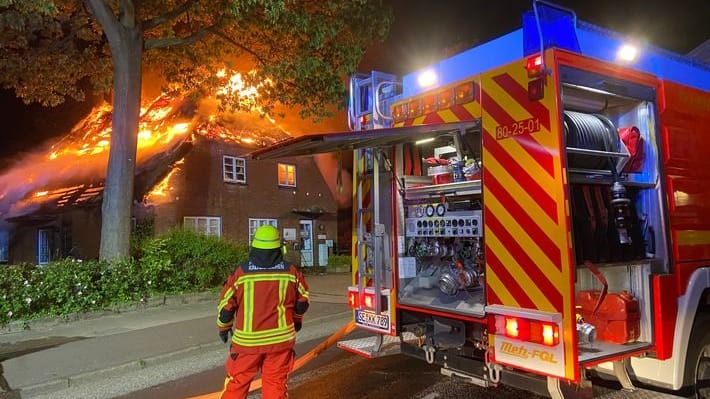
<point x="179" y="261"/>
<point x="339" y="260"/>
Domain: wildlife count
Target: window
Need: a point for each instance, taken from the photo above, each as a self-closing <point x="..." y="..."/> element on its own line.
<point x="4" y="246"/>
<point x="256" y="223"/>
<point x="234" y="169"/>
<point x="211" y="226"/>
<point x="287" y="175"/>
<point x="44" y="247"/>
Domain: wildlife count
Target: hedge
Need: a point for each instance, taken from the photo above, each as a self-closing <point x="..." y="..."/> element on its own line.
<point x="177" y="262"/>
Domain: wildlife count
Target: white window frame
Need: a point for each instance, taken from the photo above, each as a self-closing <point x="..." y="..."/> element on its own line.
<point x="4" y="246"/>
<point x="278" y="174"/>
<point x="207" y="225"/>
<point x="255" y="223"/>
<point x="234" y="169"/>
<point x="44" y="252"/>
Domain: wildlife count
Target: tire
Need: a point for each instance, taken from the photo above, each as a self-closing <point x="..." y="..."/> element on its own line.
<point x="697" y="362"/>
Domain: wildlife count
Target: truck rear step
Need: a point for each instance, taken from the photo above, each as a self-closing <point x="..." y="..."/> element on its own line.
<point x="367" y="346"/>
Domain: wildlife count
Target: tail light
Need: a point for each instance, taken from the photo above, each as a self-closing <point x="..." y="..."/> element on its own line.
<point x="368" y="300"/>
<point x="534" y="66"/>
<point x="522" y="329"/>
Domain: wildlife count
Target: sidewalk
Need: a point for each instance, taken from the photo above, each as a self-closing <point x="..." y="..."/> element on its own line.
<point x="50" y="357"/>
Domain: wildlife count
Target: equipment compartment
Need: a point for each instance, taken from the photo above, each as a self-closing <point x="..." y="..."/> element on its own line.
<point x="441" y="258"/>
<point x="614" y="192"/>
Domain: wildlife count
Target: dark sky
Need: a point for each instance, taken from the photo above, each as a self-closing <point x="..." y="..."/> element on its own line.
<point x="421" y="33"/>
<point x="424" y="28"/>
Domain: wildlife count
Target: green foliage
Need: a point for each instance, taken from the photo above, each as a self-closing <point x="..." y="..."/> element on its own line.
<point x="51" y="50"/>
<point x="177" y="262"/>
<point x="339" y="260"/>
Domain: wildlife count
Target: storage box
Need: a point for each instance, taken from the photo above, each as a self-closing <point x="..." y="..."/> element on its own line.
<point x="440" y="174"/>
<point x="618" y="318"/>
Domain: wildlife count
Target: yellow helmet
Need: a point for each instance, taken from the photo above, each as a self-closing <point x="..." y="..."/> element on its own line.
<point x="266" y="237"/>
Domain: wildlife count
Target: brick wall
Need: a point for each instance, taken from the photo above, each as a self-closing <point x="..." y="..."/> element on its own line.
<point x="198" y="189"/>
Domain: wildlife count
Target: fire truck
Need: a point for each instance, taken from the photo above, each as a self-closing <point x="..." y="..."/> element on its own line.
<point x="534" y="211"/>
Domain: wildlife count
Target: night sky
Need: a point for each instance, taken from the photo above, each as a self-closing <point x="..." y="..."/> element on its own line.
<point x="422" y="32"/>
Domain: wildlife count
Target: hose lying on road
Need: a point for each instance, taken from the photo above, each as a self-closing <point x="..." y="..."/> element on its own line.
<point x="301" y="361"/>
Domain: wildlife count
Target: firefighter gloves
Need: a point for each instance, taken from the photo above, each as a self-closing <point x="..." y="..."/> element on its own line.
<point x="224" y="335"/>
<point x="297" y="325"/>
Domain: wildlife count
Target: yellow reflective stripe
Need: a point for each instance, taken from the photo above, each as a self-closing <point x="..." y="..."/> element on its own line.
<point x="248" y="305"/>
<point x="220" y="324"/>
<point x="281" y="309"/>
<point x="289" y="335"/>
<point x="266" y="277"/>
<point x="302" y="291"/>
<point x="225" y="299"/>
<point x="263" y="333"/>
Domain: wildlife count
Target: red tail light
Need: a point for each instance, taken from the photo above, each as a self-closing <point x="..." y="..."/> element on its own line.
<point x="534" y="66"/>
<point x="527" y="330"/>
<point x="352" y="299"/>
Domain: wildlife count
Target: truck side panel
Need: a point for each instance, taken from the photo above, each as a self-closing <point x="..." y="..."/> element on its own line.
<point x="685" y="117"/>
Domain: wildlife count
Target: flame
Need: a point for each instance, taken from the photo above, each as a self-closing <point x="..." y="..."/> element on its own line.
<point x="72" y="169"/>
<point x="161" y="190"/>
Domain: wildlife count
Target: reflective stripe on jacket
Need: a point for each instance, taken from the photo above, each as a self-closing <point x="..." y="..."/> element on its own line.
<point x="258" y="302"/>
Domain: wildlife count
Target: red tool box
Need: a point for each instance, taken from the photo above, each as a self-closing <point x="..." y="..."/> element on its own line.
<point x="617" y="318"/>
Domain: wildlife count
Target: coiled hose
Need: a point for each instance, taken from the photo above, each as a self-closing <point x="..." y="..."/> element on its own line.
<point x="590" y="132"/>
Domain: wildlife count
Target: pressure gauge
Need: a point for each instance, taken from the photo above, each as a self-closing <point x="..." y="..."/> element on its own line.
<point x="430" y="210"/>
<point x="440" y="209"/>
<point x="419" y="211"/>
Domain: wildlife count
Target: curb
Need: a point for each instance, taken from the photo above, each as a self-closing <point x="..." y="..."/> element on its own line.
<point x="140" y="364"/>
<point x="152" y="302"/>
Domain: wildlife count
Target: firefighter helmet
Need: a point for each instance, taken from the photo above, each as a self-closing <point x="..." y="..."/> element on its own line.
<point x="266" y="237"/>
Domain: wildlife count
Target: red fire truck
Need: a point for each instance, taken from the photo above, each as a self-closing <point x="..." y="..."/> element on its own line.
<point x="534" y="210"/>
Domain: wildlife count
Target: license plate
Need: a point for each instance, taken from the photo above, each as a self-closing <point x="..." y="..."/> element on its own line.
<point x="372" y="320"/>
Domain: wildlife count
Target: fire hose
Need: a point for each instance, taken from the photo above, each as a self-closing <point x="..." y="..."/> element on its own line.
<point x="300" y="362"/>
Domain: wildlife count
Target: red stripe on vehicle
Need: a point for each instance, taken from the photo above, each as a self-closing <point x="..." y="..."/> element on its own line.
<point x="536" y="275"/>
<point x="526" y="221"/>
<point x="520" y="95"/>
<point x="461" y="113"/>
<point x="521" y="175"/>
<point x="432" y="118"/>
<point x="539" y="153"/>
<point x="517" y="291"/>
<point x="492" y="297"/>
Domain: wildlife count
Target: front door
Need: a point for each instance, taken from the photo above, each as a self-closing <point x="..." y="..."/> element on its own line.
<point x="306" y="231"/>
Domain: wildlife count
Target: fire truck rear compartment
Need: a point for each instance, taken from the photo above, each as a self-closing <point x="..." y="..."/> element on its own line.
<point x="615" y="202"/>
<point x="625" y="246"/>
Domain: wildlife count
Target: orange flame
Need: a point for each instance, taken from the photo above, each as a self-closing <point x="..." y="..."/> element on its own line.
<point x="79" y="158"/>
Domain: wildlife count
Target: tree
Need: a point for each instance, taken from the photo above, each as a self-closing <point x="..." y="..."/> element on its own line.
<point x="56" y="49"/>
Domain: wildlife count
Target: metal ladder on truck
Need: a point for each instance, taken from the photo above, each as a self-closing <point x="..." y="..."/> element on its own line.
<point x="368" y="98"/>
<point x="368" y="102"/>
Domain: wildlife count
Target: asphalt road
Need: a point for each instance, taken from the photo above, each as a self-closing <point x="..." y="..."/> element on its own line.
<point x="339" y="374"/>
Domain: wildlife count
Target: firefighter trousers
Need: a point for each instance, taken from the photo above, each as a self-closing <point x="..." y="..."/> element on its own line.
<point x="242" y="367"/>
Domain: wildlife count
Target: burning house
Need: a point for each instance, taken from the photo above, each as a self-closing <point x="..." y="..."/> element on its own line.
<point x="192" y="171"/>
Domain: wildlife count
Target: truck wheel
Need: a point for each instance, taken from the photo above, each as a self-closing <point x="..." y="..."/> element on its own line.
<point x="697" y="363"/>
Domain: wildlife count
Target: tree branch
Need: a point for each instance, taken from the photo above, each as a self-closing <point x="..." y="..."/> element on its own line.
<point x="103" y="14"/>
<point x="235" y="43"/>
<point x="161" y="19"/>
<point x="177" y="41"/>
<point x="127" y="13"/>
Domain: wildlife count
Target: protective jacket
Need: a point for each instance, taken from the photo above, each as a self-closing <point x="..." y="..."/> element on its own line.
<point x="261" y="300"/>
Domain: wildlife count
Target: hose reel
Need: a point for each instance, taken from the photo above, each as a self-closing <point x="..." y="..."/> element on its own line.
<point x="589" y="132"/>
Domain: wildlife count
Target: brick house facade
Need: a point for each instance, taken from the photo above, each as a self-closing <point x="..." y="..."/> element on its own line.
<point x="216" y="189"/>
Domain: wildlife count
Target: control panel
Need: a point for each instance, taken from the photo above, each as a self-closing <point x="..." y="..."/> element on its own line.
<point x="434" y="220"/>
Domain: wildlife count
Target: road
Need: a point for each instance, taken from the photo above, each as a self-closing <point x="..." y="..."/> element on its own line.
<point x="339" y="374"/>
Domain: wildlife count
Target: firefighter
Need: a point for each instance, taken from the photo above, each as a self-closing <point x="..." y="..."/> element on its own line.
<point x="263" y="301"/>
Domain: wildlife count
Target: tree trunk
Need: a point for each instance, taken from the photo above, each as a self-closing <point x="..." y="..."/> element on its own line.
<point x="118" y="191"/>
